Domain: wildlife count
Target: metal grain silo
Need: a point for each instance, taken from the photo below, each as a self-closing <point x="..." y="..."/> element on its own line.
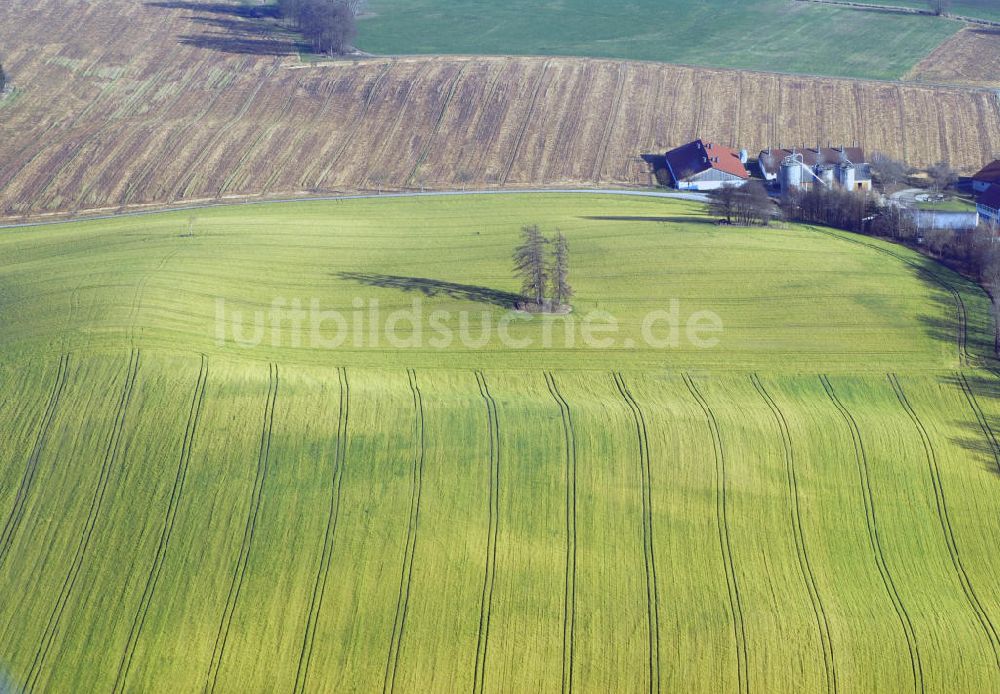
<point x="790" y="175"/>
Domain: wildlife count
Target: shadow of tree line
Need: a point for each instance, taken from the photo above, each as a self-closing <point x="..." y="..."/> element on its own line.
<point x="432" y="287"/>
<point x="239" y="29"/>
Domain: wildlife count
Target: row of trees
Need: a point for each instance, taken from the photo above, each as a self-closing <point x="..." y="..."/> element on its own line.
<point x="542" y="264"/>
<point x="330" y="25"/>
<point x="892" y="173"/>
<point x="746" y="205"/>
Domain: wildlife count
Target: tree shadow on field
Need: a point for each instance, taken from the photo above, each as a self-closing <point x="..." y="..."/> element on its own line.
<point x="244" y="11"/>
<point x="980" y="431"/>
<point x="242" y="29"/>
<point x="431" y="287"/>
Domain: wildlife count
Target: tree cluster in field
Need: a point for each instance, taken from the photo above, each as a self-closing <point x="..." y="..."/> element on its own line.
<point x="542" y="264"/>
<point x="745" y="205"/>
<point x="329" y="25"/>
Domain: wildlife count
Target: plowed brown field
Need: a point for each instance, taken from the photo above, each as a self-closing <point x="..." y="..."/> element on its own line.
<point x="971" y="57"/>
<point x="124" y="103"/>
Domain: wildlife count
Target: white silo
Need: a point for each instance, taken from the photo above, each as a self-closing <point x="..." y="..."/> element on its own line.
<point x="824" y="172"/>
<point x="790" y="175"/>
<point x="846" y="175"/>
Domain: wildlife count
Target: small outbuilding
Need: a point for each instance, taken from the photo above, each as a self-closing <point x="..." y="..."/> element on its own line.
<point x="706" y="166"/>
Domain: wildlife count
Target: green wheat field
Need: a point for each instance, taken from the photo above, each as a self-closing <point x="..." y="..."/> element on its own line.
<point x="809" y="503"/>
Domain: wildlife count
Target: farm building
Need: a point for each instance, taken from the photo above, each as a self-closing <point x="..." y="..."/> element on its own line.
<point x="988" y="205"/>
<point x="802" y="168"/>
<point x="988" y="176"/>
<point x="706" y="166"/>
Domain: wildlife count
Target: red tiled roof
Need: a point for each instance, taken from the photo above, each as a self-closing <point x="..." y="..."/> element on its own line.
<point x="989" y="173"/>
<point x="991" y="198"/>
<point x="770" y="159"/>
<point x="695" y="157"/>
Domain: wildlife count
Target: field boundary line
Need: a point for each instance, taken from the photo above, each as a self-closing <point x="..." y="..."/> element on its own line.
<point x="240" y="570"/>
<point x="489" y="576"/>
<point x="176" y="492"/>
<point x="875" y="541"/>
<point x="945" y="520"/>
<point x="648" y="550"/>
<point x="323" y="570"/>
<point x="722" y="523"/>
<point x="981" y="419"/>
<point x="569" y="605"/>
<point x="798" y="532"/>
<point x="111" y="454"/>
<point x="406" y="574"/>
<point x="31" y="466"/>
<point x="515" y="150"/>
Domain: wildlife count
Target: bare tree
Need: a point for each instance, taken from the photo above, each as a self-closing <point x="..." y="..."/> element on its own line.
<point x="942" y="176"/>
<point x="530" y="264"/>
<point x="722" y="202"/>
<point x="887" y="171"/>
<point x="752" y="205"/>
<point x="939" y="7"/>
<point x="562" y="292"/>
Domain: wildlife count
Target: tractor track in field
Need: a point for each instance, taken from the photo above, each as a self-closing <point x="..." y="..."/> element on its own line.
<point x="323" y="571"/>
<point x="725" y="543"/>
<point x="489" y="577"/>
<point x="406" y="575"/>
<point x="945" y="520"/>
<point x="516" y="149"/>
<point x="861" y="458"/>
<point x="569" y="610"/>
<point x="111" y="455"/>
<point x="610" y="125"/>
<point x="184" y="187"/>
<point x="981" y="419"/>
<point x="31" y="466"/>
<point x="176" y="492"/>
<point x="432" y="136"/>
<point x="383" y="147"/>
<point x="928" y="274"/>
<point x="354" y="129"/>
<point x="140" y="293"/>
<point x="240" y="570"/>
<point x="805" y="566"/>
<point x="648" y="550"/>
